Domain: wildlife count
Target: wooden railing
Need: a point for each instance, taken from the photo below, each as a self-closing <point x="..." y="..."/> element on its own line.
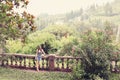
<point x="48" y="62"/>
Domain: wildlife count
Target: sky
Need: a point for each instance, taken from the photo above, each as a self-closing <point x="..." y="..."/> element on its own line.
<point x="52" y="7"/>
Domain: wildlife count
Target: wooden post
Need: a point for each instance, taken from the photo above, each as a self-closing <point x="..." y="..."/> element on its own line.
<point x="51" y="62"/>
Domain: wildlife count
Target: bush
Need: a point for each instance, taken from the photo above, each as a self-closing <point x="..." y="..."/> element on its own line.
<point x="67" y="46"/>
<point x="96" y="51"/>
<point x="31" y="42"/>
<point x="29" y="48"/>
<point x="13" y="46"/>
<point x="77" y="73"/>
<point x="38" y="38"/>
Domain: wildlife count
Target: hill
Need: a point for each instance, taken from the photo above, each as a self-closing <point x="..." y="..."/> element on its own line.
<point x="94" y="16"/>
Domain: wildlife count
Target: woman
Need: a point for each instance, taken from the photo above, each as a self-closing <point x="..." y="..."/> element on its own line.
<point x="39" y="53"/>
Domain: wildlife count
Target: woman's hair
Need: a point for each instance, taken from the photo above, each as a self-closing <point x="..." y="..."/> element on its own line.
<point x="39" y="47"/>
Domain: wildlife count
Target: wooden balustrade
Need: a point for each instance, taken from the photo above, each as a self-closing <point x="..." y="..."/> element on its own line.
<point x="48" y="62"/>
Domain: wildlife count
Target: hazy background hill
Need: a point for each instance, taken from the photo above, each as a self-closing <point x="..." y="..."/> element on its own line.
<point x="94" y="16"/>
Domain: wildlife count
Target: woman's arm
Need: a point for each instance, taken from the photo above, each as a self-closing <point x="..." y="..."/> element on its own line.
<point x="43" y="51"/>
<point x="36" y="52"/>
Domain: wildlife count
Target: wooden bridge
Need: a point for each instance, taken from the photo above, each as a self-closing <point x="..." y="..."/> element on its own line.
<point x="48" y="62"/>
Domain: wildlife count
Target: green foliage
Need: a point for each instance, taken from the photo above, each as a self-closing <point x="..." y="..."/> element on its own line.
<point x="96" y="51"/>
<point x="77" y="73"/>
<point x="117" y="50"/>
<point x="67" y="46"/>
<point x="16" y="46"/>
<point x="38" y="38"/>
<point x="56" y="36"/>
<point x="29" y="48"/>
<point x="12" y="24"/>
<point x="13" y="46"/>
<point x="60" y="30"/>
<point x="32" y="41"/>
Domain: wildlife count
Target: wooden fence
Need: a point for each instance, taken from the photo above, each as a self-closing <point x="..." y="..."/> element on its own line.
<point x="48" y="62"/>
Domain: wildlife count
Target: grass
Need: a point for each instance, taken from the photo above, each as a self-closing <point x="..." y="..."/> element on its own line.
<point x="15" y="74"/>
<point x="115" y="77"/>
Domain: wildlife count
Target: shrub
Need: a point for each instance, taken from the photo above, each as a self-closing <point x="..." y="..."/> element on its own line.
<point x="29" y="48"/>
<point x="96" y="51"/>
<point x="67" y="46"/>
<point x="38" y="38"/>
<point x="13" y="46"/>
<point x="77" y="73"/>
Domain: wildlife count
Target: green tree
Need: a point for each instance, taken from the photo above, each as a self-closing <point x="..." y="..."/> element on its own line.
<point x="60" y="30"/>
<point x="13" y="46"/>
<point x="37" y="38"/>
<point x="12" y="24"/>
